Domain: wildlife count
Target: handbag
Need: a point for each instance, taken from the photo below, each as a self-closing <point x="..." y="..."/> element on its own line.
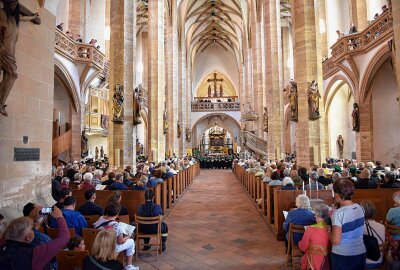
<point x="371" y="243"/>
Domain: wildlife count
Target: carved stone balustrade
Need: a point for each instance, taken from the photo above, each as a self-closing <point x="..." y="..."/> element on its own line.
<point x="255" y="144"/>
<point x="79" y="52"/>
<point x="215" y="106"/>
<point x="360" y="42"/>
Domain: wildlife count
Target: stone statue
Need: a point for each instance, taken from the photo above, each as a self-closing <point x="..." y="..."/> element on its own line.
<point x="265" y="120"/>
<point x="165" y="122"/>
<point x="9" y="24"/>
<point x="101" y="151"/>
<point x="136" y="107"/>
<point x="96" y="153"/>
<point x="340" y="143"/>
<point x="137" y="147"/>
<point x="141" y="149"/>
<point x="84" y="145"/>
<point x="356" y="117"/>
<point x="293" y="100"/>
<point x="188" y="135"/>
<point x="221" y="90"/>
<point x="118" y="104"/>
<point x="313" y="101"/>
<point x="179" y="128"/>
<point x="209" y="90"/>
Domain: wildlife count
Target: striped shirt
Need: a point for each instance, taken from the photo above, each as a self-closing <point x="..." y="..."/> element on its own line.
<point x="351" y="219"/>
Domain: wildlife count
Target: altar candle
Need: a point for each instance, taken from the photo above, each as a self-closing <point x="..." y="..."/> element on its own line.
<point x="304" y="192"/>
<point x="309" y="184"/>
<point x="316" y="183"/>
<point x="333" y="193"/>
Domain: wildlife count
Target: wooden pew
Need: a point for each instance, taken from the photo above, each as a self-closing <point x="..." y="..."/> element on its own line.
<point x="270" y="201"/>
<point x="170" y="192"/>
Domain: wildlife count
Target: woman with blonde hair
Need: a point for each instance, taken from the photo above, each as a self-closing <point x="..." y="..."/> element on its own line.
<point x="103" y="253"/>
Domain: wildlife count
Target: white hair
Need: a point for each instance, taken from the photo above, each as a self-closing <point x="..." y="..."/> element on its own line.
<point x="75" y="167"/>
<point x="65" y="180"/>
<point x="88" y="177"/>
<point x="302" y="201"/>
<point x="396" y="198"/>
<point x="98" y="173"/>
<point x="78" y="176"/>
<point x="287" y="180"/>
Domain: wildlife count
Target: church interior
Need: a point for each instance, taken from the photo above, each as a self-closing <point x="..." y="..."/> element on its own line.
<point x="222" y="114"/>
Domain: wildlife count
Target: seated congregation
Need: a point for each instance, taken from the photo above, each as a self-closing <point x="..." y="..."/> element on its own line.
<point x="344" y="235"/>
<point x="79" y="232"/>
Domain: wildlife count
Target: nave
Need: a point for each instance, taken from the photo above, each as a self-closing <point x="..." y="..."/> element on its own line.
<point x="216" y="226"/>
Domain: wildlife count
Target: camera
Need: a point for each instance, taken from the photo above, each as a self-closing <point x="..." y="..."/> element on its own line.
<point x="46" y="211"/>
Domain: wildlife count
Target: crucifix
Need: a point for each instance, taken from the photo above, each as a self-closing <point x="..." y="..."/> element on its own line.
<point x="215" y="80"/>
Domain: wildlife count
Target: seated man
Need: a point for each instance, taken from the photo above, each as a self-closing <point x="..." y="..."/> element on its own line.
<point x="87" y="182"/>
<point x="64" y="193"/>
<point x="118" y="184"/>
<point x="156" y="178"/>
<point x="90" y="208"/>
<point x="21" y="254"/>
<point x="110" y="179"/>
<point x="73" y="218"/>
<point x="150" y="209"/>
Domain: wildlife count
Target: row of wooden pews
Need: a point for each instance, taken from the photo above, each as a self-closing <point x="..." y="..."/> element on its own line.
<point x="272" y="201"/>
<point x="166" y="194"/>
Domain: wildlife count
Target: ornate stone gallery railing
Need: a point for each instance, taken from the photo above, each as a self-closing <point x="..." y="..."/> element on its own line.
<point x="215" y="106"/>
<point x="79" y="52"/>
<point x="254" y="143"/>
<point x="360" y="42"/>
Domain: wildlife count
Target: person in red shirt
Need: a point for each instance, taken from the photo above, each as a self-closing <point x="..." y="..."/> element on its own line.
<point x="87" y="182"/>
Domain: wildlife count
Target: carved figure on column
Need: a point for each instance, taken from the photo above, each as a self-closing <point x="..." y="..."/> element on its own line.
<point x="118" y="104"/>
<point x="293" y="100"/>
<point x="96" y="153"/>
<point x="136" y="107"/>
<point x="165" y="122"/>
<point x="137" y="147"/>
<point x="340" y="143"/>
<point x="313" y="101"/>
<point x="9" y="23"/>
<point x="188" y="135"/>
<point x="84" y="145"/>
<point x="265" y="120"/>
<point x="101" y="151"/>
<point x="179" y="128"/>
<point x="356" y="117"/>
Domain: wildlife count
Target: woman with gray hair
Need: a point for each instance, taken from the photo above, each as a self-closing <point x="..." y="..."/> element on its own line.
<point x="316" y="238"/>
<point x="288" y="184"/>
<point x="300" y="216"/>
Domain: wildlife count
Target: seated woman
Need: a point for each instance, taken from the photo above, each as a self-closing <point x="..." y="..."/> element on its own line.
<point x="123" y="242"/>
<point x="390" y="181"/>
<point x="139" y="186"/>
<point x="150" y="209"/>
<point x="316" y="237"/>
<point x="375" y="228"/>
<point x="76" y="243"/>
<point x="300" y="216"/>
<point x="364" y="182"/>
<point x="393" y="215"/>
<point x="116" y="196"/>
<point x="288" y="184"/>
<point x="103" y="253"/>
<point x="155" y="178"/>
<point x="275" y="179"/>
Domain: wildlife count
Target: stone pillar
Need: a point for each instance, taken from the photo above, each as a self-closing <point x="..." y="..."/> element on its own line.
<point x="272" y="81"/>
<point x="121" y="72"/>
<point x="172" y="66"/>
<point x="182" y="96"/>
<point x="30" y="113"/>
<point x="359" y="13"/>
<point x="76" y="119"/>
<point x="306" y="70"/>
<point x="186" y="105"/>
<point x="396" y="28"/>
<point x="157" y="85"/>
<point x="74" y="17"/>
<point x="323" y="36"/>
<point x="364" y="138"/>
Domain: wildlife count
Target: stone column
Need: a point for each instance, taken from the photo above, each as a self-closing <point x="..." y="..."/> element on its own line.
<point x="172" y="66"/>
<point x="121" y="72"/>
<point x="364" y="138"/>
<point x="359" y="13"/>
<point x="76" y="120"/>
<point x="323" y="37"/>
<point x="74" y="17"/>
<point x="272" y="81"/>
<point x="157" y="85"/>
<point x="182" y="96"/>
<point x="306" y="70"/>
<point x="396" y="28"/>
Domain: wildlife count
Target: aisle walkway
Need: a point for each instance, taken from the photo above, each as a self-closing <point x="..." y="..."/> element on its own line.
<point x="215" y="226"/>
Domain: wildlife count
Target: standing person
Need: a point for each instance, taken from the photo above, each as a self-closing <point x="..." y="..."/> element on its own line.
<point x="150" y="209"/>
<point x="348" y="250"/>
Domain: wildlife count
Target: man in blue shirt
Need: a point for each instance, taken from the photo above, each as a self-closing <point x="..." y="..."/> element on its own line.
<point x="118" y="184"/>
<point x="73" y="218"/>
<point x="90" y="208"/>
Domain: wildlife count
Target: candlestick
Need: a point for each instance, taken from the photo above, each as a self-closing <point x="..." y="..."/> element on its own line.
<point x="333" y="193"/>
<point x="309" y="184"/>
<point x="304" y="192"/>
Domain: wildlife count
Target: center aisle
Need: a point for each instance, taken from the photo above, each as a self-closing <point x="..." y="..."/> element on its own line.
<point x="216" y="226"/>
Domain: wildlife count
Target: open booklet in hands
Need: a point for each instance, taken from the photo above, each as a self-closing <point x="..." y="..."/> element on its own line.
<point x="126" y="228"/>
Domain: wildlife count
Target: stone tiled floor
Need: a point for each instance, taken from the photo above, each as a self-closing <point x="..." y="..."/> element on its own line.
<point x="216" y="226"/>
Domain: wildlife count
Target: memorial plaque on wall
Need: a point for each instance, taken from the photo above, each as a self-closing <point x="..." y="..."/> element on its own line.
<point x="26" y="154"/>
